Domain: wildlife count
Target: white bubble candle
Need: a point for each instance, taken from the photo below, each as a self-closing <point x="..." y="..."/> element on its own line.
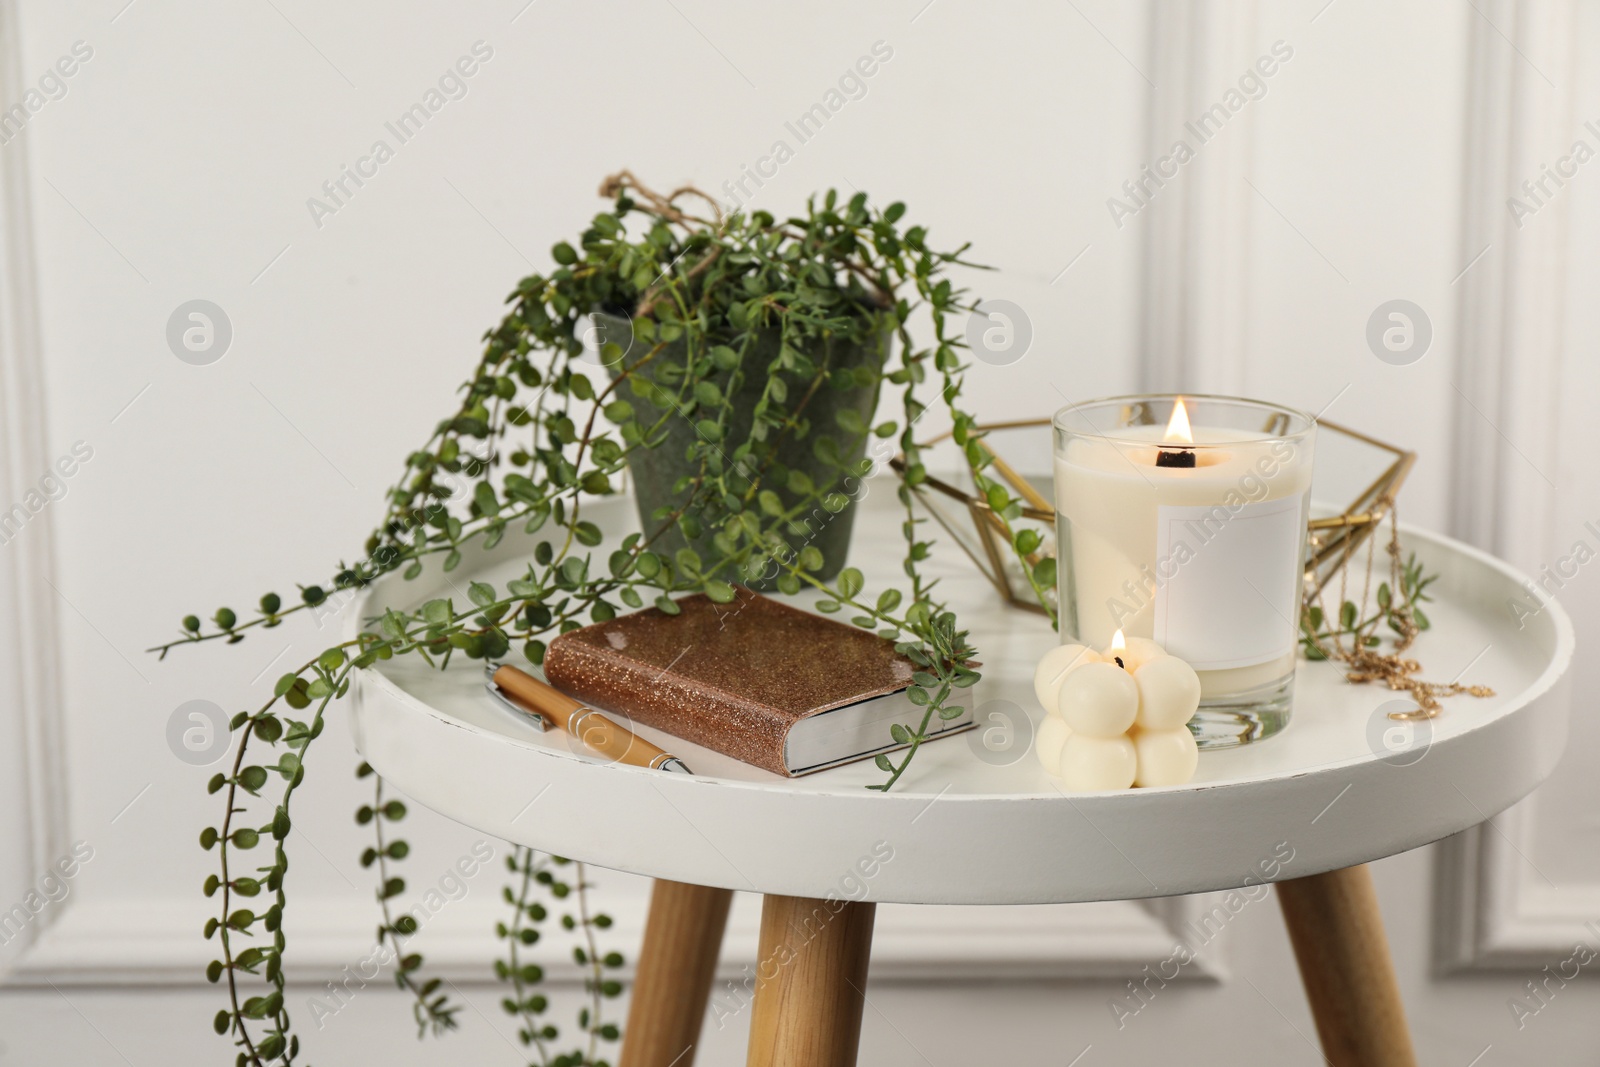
<point x="1118" y="717"/>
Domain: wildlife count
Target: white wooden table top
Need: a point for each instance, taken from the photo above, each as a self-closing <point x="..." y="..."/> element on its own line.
<point x="962" y="830"/>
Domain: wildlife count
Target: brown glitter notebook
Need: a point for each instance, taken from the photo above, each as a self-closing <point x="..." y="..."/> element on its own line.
<point x="755" y="679"/>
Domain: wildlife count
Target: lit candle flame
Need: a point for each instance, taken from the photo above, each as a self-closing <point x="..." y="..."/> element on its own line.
<point x="1178" y="425"/>
<point x="1119" y="645"/>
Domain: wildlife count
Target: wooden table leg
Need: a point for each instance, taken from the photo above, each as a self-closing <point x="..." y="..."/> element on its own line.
<point x="811" y="980"/>
<point x="1338" y="939"/>
<point x="677" y="962"/>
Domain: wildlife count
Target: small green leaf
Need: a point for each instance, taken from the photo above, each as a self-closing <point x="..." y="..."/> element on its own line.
<point x="850" y="583"/>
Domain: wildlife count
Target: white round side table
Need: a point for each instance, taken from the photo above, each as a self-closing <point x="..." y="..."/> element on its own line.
<point x="1340" y="786"/>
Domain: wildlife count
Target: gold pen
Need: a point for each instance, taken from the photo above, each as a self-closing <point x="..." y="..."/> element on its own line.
<point x="547" y="705"/>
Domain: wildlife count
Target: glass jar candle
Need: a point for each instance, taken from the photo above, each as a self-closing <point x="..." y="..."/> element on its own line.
<point x="1183" y="519"/>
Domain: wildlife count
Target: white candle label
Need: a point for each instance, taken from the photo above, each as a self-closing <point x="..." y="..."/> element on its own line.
<point x="1227" y="582"/>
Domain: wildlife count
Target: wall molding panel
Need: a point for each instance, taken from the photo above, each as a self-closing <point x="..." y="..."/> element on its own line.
<point x="1194" y="232"/>
<point x="1492" y="910"/>
<point x="1196" y="273"/>
<point x="33" y="808"/>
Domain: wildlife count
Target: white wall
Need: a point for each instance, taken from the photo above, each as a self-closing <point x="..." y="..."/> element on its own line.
<point x="178" y="166"/>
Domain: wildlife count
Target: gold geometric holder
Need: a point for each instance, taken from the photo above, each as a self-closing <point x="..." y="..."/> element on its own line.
<point x="973" y="524"/>
<point x="1335" y="538"/>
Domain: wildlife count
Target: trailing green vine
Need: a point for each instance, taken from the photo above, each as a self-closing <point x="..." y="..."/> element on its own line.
<point x="431" y="1008"/>
<point x="527" y="916"/>
<point x="711" y="302"/>
<point x="525" y="1004"/>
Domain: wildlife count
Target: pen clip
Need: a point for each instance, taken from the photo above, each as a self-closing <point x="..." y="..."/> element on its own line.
<point x="495" y="691"/>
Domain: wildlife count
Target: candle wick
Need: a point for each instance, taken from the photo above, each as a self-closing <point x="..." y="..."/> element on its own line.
<point x="1121" y="664"/>
<point x="1178" y="457"/>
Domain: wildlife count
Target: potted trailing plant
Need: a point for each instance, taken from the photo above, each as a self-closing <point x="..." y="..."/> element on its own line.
<point x="745" y="356"/>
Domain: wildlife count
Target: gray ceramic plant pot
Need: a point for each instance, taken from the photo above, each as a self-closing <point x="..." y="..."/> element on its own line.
<point x="656" y="471"/>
